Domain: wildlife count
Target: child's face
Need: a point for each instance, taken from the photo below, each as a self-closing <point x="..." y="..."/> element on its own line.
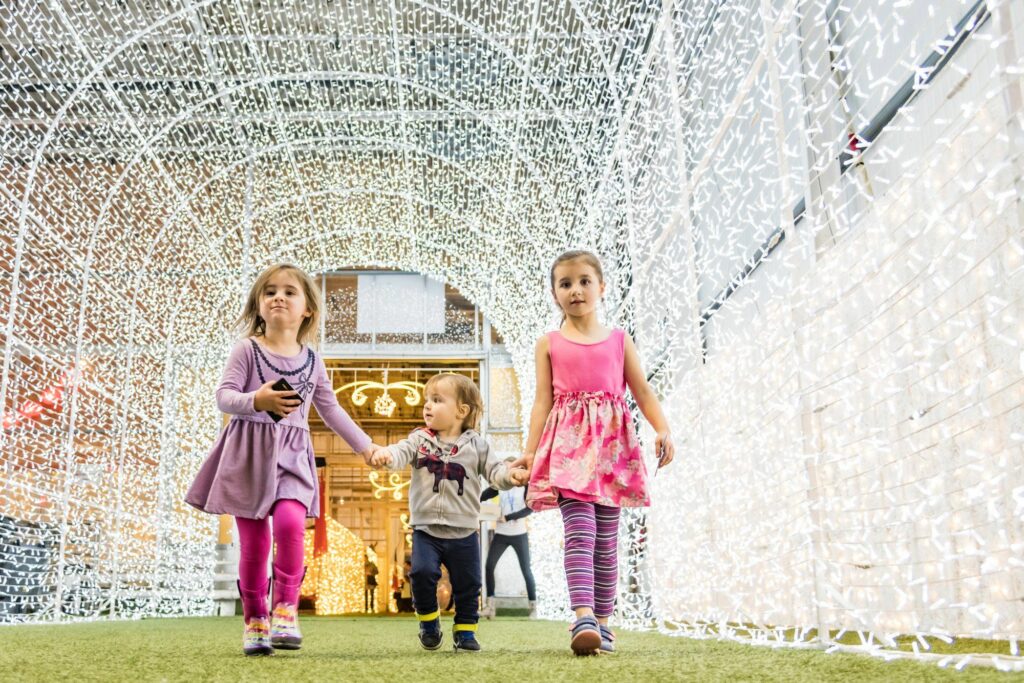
<point x="283" y="301"/>
<point x="578" y="289"/>
<point x="441" y="409"/>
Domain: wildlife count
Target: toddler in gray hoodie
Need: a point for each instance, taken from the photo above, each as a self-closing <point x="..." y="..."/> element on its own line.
<point x="448" y="458"/>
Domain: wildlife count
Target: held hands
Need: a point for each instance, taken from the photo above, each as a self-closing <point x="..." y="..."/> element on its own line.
<point x="380" y="458"/>
<point x="525" y="462"/>
<point x="519" y="475"/>
<point x="367" y="453"/>
<point x="280" y="402"/>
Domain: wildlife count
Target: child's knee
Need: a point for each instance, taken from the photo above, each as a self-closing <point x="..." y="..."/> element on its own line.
<point x="468" y="581"/>
<point x="425" y="572"/>
<point x="581" y="541"/>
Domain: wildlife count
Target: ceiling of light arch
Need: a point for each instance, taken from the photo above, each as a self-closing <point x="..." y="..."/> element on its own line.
<point x="502" y="116"/>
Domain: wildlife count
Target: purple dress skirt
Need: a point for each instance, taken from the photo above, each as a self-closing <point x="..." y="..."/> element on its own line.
<point x="256" y="461"/>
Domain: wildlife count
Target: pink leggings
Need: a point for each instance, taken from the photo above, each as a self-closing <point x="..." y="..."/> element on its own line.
<point x="289" y="521"/>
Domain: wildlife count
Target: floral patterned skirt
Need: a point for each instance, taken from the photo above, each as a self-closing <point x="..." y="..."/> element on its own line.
<point x="588" y="451"/>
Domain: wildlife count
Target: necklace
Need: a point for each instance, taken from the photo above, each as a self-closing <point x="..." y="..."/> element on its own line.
<point x="286" y="373"/>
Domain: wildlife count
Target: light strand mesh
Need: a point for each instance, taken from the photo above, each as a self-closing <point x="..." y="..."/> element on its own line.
<point x="809" y="215"/>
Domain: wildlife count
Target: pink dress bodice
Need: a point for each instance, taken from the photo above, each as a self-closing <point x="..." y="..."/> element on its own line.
<point x="587" y="367"/>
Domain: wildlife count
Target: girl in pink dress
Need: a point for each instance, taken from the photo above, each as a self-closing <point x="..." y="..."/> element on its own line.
<point x="582" y="449"/>
<point x="262" y="467"/>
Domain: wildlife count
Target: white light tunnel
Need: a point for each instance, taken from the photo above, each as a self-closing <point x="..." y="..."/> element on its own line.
<point x="809" y="214"/>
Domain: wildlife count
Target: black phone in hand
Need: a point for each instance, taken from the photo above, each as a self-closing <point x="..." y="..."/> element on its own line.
<point x="281" y="385"/>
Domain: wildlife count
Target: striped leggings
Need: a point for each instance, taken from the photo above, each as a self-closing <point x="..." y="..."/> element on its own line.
<point x="591" y="554"/>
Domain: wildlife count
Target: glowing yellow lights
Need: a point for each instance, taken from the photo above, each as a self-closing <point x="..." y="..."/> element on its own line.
<point x="407" y="528"/>
<point x="383" y="404"/>
<point x="394" y="485"/>
<point x="336" y="577"/>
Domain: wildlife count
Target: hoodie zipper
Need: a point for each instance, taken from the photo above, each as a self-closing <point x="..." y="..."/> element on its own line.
<point x="442" y="486"/>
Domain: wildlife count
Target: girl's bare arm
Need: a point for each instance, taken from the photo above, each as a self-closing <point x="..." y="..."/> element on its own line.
<point x="648" y="403"/>
<point x="541" y="403"/>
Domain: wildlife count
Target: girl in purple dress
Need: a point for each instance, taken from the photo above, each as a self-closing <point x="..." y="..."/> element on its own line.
<point x="582" y="450"/>
<point x="262" y="464"/>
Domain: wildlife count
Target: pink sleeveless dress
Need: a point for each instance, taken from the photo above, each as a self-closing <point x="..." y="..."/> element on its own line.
<point x="589" y="450"/>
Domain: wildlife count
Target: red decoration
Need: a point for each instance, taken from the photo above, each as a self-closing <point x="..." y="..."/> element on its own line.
<point x="52" y="396"/>
<point x="31" y="410"/>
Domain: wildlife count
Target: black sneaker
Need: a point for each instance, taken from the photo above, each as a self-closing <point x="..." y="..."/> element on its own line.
<point x="430" y="634"/>
<point x="465" y="641"/>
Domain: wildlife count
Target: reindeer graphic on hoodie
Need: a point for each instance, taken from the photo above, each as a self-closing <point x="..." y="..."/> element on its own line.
<point x="446" y="480"/>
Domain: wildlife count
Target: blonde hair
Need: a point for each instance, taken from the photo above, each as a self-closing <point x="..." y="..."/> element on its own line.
<point x="250" y="324"/>
<point x="466" y="393"/>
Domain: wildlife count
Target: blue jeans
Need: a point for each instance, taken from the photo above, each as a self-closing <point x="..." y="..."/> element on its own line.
<point x="462" y="558"/>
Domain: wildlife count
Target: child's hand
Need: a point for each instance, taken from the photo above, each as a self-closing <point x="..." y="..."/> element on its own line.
<point x="520" y="476"/>
<point x="368" y="452"/>
<point x="665" y="448"/>
<point x="380" y="458"/>
<point x="280" y="402"/>
<point x="525" y="462"/>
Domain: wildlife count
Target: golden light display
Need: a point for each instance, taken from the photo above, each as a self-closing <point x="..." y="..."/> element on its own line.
<point x="383" y="404"/>
<point x="406" y="529"/>
<point x="394" y="487"/>
<point x="335" y="578"/>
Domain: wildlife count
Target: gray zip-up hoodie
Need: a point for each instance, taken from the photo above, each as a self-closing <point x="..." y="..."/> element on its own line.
<point x="445" y="487"/>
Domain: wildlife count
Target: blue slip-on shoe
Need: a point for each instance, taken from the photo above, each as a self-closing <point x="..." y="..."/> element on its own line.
<point x="586" y="637"/>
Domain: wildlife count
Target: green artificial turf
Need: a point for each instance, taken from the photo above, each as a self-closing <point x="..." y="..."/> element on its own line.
<point x="386" y="649"/>
<point x="930" y="644"/>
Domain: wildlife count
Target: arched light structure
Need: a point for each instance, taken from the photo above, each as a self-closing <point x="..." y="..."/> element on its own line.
<point x="808" y="214"/>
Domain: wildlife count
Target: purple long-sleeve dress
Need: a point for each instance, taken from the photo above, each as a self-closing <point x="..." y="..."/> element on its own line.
<point x="256" y="461"/>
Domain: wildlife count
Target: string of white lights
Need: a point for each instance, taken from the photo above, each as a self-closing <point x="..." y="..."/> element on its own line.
<point x="808" y="213"/>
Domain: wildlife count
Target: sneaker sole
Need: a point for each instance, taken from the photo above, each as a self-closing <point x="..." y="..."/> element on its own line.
<point x="287" y="643"/>
<point x="259" y="653"/>
<point x="586" y="643"/>
<point x="436" y="647"/>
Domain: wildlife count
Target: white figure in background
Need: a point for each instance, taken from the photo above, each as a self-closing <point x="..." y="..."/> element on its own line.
<point x="510" y="532"/>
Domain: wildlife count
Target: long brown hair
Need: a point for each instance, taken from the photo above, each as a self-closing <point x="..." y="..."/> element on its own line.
<point x="250" y="324"/>
<point x="466" y="393"/>
<point x="587" y="257"/>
